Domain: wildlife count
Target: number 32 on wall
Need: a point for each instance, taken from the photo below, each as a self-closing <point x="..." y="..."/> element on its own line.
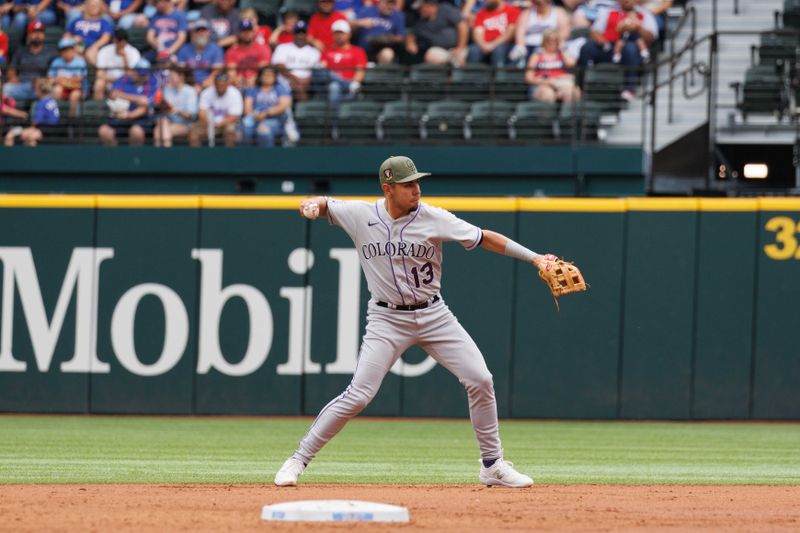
<point x="786" y="232"/>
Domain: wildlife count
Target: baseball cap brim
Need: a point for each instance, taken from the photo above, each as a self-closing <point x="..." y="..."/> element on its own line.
<point x="413" y="177"/>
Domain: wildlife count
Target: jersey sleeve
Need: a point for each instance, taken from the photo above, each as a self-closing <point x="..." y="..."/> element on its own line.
<point x="345" y="214"/>
<point x="452" y="228"/>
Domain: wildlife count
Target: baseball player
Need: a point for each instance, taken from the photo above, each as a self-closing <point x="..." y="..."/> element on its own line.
<point x="399" y="242"/>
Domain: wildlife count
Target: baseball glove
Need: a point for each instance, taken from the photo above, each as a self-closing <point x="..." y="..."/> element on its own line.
<point x="561" y="277"/>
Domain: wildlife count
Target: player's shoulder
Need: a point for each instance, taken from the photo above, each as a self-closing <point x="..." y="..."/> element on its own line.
<point x="431" y="211"/>
<point x="351" y="206"/>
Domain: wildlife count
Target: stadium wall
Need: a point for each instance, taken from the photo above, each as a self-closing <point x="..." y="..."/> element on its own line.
<point x="235" y="305"/>
<point x="471" y="170"/>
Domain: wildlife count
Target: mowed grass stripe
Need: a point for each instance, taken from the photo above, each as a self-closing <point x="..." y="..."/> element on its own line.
<point x="106" y="449"/>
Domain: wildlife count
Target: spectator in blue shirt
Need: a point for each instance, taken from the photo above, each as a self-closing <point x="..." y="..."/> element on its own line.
<point x="139" y="88"/>
<point x="123" y="12"/>
<point x="179" y="109"/>
<point x="266" y="109"/>
<point x="44" y="121"/>
<point x="68" y="74"/>
<point x="93" y="30"/>
<point x="204" y="57"/>
<point x="29" y="10"/>
<point x="167" y="31"/>
<point x="381" y="29"/>
<point x="348" y="7"/>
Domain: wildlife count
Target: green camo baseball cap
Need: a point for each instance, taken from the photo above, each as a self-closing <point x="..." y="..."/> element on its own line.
<point x="399" y="169"/>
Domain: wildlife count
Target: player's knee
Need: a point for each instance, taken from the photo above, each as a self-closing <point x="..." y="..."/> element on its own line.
<point x="480" y="384"/>
<point x="359" y="400"/>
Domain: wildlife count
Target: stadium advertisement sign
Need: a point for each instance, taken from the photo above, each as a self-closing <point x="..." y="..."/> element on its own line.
<point x="208" y="305"/>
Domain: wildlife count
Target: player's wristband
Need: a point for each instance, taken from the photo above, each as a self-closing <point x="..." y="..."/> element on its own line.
<point x="517" y="251"/>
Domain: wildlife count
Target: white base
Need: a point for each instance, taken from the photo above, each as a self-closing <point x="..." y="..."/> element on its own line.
<point x="334" y="511"/>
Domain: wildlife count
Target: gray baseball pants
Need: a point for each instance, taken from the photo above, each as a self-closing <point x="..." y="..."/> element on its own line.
<point x="389" y="334"/>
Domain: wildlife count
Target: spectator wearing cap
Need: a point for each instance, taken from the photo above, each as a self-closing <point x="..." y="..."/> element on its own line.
<point x="29" y="63"/>
<point x="224" y="19"/>
<point x="439" y="34"/>
<point x="67" y="73"/>
<point x="493" y="31"/>
<point x="295" y="60"/>
<point x="246" y="57"/>
<point x="266" y="109"/>
<point x="220" y="110"/>
<point x="202" y="56"/>
<point x="179" y="107"/>
<point x="167" y="30"/>
<point x="263" y="32"/>
<point x="345" y="64"/>
<point x="92" y="30"/>
<point x="320" y="25"/>
<point x="44" y="120"/>
<point x="139" y="90"/>
<point x="284" y="33"/>
<point x="123" y="12"/>
<point x="112" y="62"/>
<point x="381" y="29"/>
<point x="27" y="11"/>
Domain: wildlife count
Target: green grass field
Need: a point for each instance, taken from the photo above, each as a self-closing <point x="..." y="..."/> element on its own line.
<point x="99" y="449"/>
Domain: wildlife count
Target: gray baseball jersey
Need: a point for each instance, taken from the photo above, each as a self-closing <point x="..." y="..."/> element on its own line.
<point x="402" y="261"/>
<point x="401" y="258"/>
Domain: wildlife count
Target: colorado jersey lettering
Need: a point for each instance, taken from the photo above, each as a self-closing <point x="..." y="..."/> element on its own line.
<point x="401" y="258"/>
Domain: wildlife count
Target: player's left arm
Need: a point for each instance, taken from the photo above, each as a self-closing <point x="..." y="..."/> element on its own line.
<point x="500" y="244"/>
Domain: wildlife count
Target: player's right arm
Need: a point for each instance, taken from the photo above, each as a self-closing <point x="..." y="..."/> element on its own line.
<point x="321" y="202"/>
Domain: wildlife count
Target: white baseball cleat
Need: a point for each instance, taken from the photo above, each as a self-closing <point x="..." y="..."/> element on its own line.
<point x="502" y="473"/>
<point x="289" y="472"/>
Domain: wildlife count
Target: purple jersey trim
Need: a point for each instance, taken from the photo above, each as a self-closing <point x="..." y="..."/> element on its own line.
<point x="403" y="259"/>
<point x="477" y="240"/>
<point x="391" y="265"/>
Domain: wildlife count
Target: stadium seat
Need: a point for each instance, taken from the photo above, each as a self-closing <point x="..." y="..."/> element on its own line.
<point x="509" y="85"/>
<point x="267" y="9"/>
<point x="313" y="119"/>
<point x="471" y="83"/>
<point x="137" y="37"/>
<point x="533" y="120"/>
<point x="778" y="47"/>
<point x="384" y="83"/>
<point x="357" y="121"/>
<point x="579" y="121"/>
<point x="428" y="83"/>
<point x="488" y="119"/>
<point x="91" y="114"/>
<point x="444" y="119"/>
<point x="15" y="38"/>
<point x="762" y="92"/>
<point x="400" y="120"/>
<point x="53" y="34"/>
<point x="304" y="7"/>
<point x="603" y="84"/>
<point x="791" y="14"/>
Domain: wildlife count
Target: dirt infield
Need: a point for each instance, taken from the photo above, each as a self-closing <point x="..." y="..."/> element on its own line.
<point x="123" y="508"/>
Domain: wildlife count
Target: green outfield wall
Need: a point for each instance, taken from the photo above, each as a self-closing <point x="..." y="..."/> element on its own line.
<point x="236" y="305"/>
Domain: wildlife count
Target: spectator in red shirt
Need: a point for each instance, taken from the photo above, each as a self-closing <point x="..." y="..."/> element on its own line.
<point x="493" y="33"/>
<point x="628" y="23"/>
<point x="345" y="65"/>
<point x="320" y="25"/>
<point x="246" y="57"/>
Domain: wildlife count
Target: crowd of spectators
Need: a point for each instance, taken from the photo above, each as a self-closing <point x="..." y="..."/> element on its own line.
<point x="207" y="72"/>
